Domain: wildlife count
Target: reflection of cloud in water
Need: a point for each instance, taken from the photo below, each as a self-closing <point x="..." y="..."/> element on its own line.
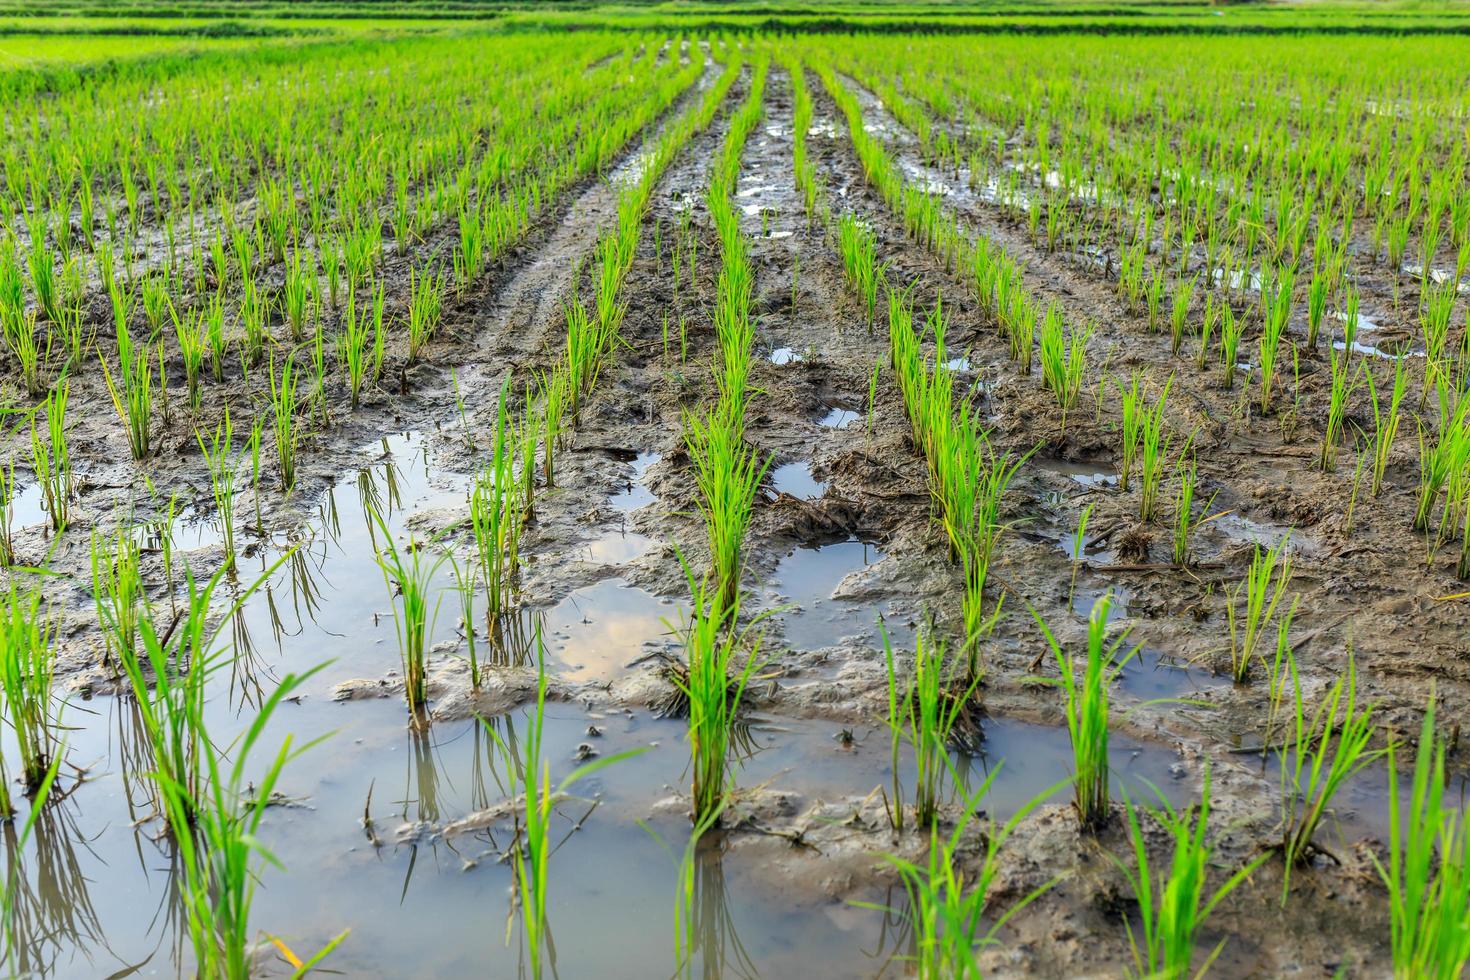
<point x="599" y="629"/>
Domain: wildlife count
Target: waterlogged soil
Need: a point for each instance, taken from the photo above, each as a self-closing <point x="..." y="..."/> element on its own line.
<point x="401" y="834"/>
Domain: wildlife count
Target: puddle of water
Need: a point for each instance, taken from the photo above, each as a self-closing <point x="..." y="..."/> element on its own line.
<point x="26" y="508"/>
<point x="839" y="418"/>
<point x="636" y="494"/>
<point x="785" y="355"/>
<point x="796" y="479"/>
<point x="1371" y="350"/>
<point x="1090" y="475"/>
<point x="959" y="364"/>
<point x="1153" y="674"/>
<point x="596" y="631"/>
<point x="1084" y="599"/>
<point x="808" y="578"/>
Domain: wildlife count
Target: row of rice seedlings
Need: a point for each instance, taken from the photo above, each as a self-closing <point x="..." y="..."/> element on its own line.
<point x="968" y="478"/>
<point x="808" y="182"/>
<point x="728" y="474"/>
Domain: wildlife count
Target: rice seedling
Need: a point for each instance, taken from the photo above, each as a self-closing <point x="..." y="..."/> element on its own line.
<point x="1079" y="544"/>
<point x="27" y="662"/>
<point x="1185" y="521"/>
<point x="1277" y="306"/>
<point x="19" y="329"/>
<point x="1230" y="331"/>
<point x="119" y="593"/>
<point x="1325" y="747"/>
<point x="1179" y="311"/>
<point x="283" y="419"/>
<point x="132" y="392"/>
<point x="714" y="683"/>
<point x="1253" y="604"/>
<point x="1085" y="687"/>
<point x="51" y="458"/>
<point x="1385" y="421"/>
<point x="219" y="456"/>
<point x="858" y="247"/>
<point x="495" y="517"/>
<point x="1426" y="875"/>
<point x="409" y="577"/>
<point x="213" y="804"/>
<point x="1344" y="383"/>
<point x="947" y="909"/>
<point x="529" y="780"/>
<point x="425" y="292"/>
<point x="728" y="473"/>
<point x="1063" y="363"/>
<point x="1145" y="443"/>
<point x="925" y="712"/>
<point x="1171" y="900"/>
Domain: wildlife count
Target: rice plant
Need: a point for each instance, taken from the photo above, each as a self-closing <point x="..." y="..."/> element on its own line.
<point x="1325" y="747"/>
<point x="223" y="465"/>
<point x="728" y="473"/>
<point x="409" y="577"/>
<point x="1252" y="605"/>
<point x="1172" y="902"/>
<point x="495" y="517"/>
<point x="132" y="392"/>
<point x="283" y="419"/>
<point x="925" y="712"/>
<point x="950" y="913"/>
<point x="1085" y="686"/>
<point x="529" y="781"/>
<point x="1385" y="420"/>
<point x="51" y="457"/>
<point x="27" y="665"/>
<point x="714" y="681"/>
<point x="119" y="592"/>
<point x="1426" y="875"/>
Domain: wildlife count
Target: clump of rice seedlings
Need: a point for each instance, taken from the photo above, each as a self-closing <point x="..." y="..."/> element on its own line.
<point x="1253" y="604"/>
<point x="714" y="685"/>
<point x="214" y="805"/>
<point x="1063" y="363"/>
<point x="19" y="330"/>
<point x="425" y="292"/>
<point x="214" y="336"/>
<point x="1324" y="749"/>
<point x="858" y="246"/>
<point x="283" y="419"/>
<point x="728" y="473"/>
<point x="297" y="292"/>
<point x="51" y="459"/>
<point x="117" y="589"/>
<point x="1145" y="443"/>
<point x="27" y="659"/>
<point x="409" y="577"/>
<point x="1427" y="877"/>
<point x="132" y="392"/>
<point x="1179" y="311"/>
<point x="925" y="712"/>
<point x="1385" y="420"/>
<point x="948" y="909"/>
<point x="1171" y="900"/>
<point x="1344" y="383"/>
<point x="495" y="517"/>
<point x="529" y="778"/>
<point x="1185" y="522"/>
<point x="352" y="347"/>
<point x="189" y="332"/>
<point x="1086" y="690"/>
<point x="223" y="465"/>
<point x="466" y="584"/>
<point x="1230" y="331"/>
<point x="1277" y="305"/>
